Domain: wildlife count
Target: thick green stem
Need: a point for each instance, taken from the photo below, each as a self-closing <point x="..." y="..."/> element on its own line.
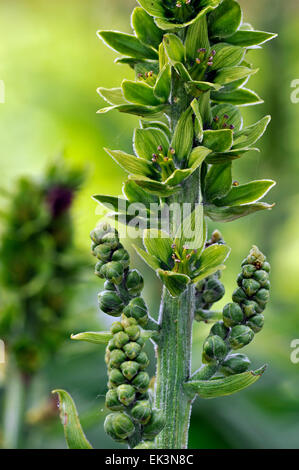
<point x="14" y="407"/>
<point x="173" y="368"/>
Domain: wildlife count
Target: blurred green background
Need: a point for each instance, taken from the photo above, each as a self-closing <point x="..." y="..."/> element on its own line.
<point x="51" y="63"/>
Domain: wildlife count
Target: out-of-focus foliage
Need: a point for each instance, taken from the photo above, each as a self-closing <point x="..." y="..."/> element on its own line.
<point x="52" y="62"/>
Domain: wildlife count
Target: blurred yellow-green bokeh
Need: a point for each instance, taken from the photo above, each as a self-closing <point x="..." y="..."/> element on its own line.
<point x="51" y="63"/>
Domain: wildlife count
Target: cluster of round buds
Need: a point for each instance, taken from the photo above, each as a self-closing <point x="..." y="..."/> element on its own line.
<point x="204" y="57"/>
<point x="123" y="286"/>
<point x="164" y="161"/>
<point x="221" y="123"/>
<point x="242" y="318"/>
<point x="128" y="385"/>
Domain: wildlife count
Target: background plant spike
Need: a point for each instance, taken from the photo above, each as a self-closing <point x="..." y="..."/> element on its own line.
<point x="191" y="67"/>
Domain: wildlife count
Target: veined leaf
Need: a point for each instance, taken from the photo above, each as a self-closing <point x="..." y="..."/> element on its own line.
<point x="150" y="260"/>
<point x="158" y="244"/>
<point x="251" y="134"/>
<point x="175" y="283"/>
<point x="227" y="56"/>
<point x="145" y="28"/>
<point x="228" y="214"/>
<point x="196" y="88"/>
<point x="178" y="176"/>
<point x="197" y="37"/>
<point x="218" y="181"/>
<point x="198" y="120"/>
<point x="219" y="140"/>
<point x="220" y="158"/>
<point x="127" y="44"/>
<point x="246" y="193"/>
<point x="73" y="431"/>
<point x="233" y="113"/>
<point x="95" y="337"/>
<point x="135" y="193"/>
<point x="140" y="93"/>
<point x="182" y="71"/>
<point x="174" y="48"/>
<point x="154" y="8"/>
<point x="250" y="38"/>
<point x="210" y="260"/>
<point x="154" y="187"/>
<point x="163" y="83"/>
<point x="226" y="19"/>
<point x="207" y="272"/>
<point x="151" y="112"/>
<point x="183" y="136"/>
<point x="223" y="386"/>
<point x="231" y="74"/>
<point x="238" y="97"/>
<point x="168" y="25"/>
<point x="197" y="156"/>
<point x="192" y="231"/>
<point x="112" y="95"/>
<point x="132" y="164"/>
<point x="147" y="141"/>
<point x="156" y="125"/>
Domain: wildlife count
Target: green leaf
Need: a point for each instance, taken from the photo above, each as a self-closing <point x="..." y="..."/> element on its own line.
<point x="95" y="337"/>
<point x="138" y="110"/>
<point x="197" y="37"/>
<point x="220" y="158"/>
<point x="250" y="38"/>
<point x="154" y="187"/>
<point x="112" y="95"/>
<point x="196" y="88"/>
<point x="231" y="74"/>
<point x="210" y="260"/>
<point x="147" y="141"/>
<point x="198" y="120"/>
<point x="174" y="282"/>
<point x="218" y="140"/>
<point x="113" y="201"/>
<point x="174" y="48"/>
<point x="238" y="97"/>
<point x="228" y="214"/>
<point x="197" y="156"/>
<point x="156" y="125"/>
<point x="140" y="93"/>
<point x="150" y="260"/>
<point x="192" y="231"/>
<point x="127" y="44"/>
<point x="158" y="244"/>
<point x="227" y="56"/>
<point x="251" y="134"/>
<point x="226" y="19"/>
<point x="178" y="176"/>
<point x="218" y="181"/>
<point x="168" y="25"/>
<point x="154" y="7"/>
<point x="145" y="28"/>
<point x="73" y="431"/>
<point x="223" y="386"/>
<point x="132" y="164"/>
<point x="246" y="193"/>
<point x="233" y="113"/>
<point x="182" y="71"/>
<point x="183" y="136"/>
<point x="163" y="84"/>
<point x="135" y="193"/>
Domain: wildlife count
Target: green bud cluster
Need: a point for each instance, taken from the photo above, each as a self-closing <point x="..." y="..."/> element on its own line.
<point x="123" y="285"/>
<point x="128" y="383"/>
<point x="242" y="318"/>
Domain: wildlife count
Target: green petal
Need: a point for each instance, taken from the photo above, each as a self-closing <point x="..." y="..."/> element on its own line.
<point x="219" y="140"/>
<point x="95" y="337"/>
<point x="232" y="74"/>
<point x="174" y="282"/>
<point x="239" y="97"/>
<point x="228" y="214"/>
<point x="147" y="141"/>
<point x="113" y="96"/>
<point x="145" y="28"/>
<point x="139" y="93"/>
<point x="210" y="261"/>
<point x="197" y="156"/>
<point x="138" y="110"/>
<point x="132" y="164"/>
<point x="127" y="44"/>
<point x="226" y="19"/>
<point x="158" y="244"/>
<point x="251" y="134"/>
<point x="183" y="136"/>
<point x="150" y="260"/>
<point x="154" y="187"/>
<point x="163" y="84"/>
<point x="250" y="38"/>
<point x="174" y="48"/>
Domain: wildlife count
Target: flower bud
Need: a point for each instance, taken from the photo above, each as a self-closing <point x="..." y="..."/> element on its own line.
<point x="116" y="327"/>
<point x="235" y="364"/>
<point x="155" y="424"/>
<point x="219" y="329"/>
<point x="146" y="445"/>
<point x="214" y="349"/>
<point x="111" y="239"/>
<point x="103" y="252"/>
<point x="248" y="270"/>
<point x="117" y="357"/>
<point x="262" y="277"/>
<point x="112" y="401"/>
<point x="232" y="314"/>
<point x="97" y="269"/>
<point x="120" y="339"/>
<point x="250" y="307"/>
<point x="250" y="287"/>
<point x="214" y="291"/>
<point x="132" y="349"/>
<point x="239" y="295"/>
<point x="141" y="382"/>
<point x="240" y="336"/>
<point x="134" y="282"/>
<point x="143" y="360"/>
<point x="262" y="297"/>
<point x="111" y="345"/>
<point x="113" y="271"/>
<point x="133" y="332"/>
<point x="110" y="303"/>
<point x="126" y="322"/>
<point x="142" y="411"/>
<point x="109" y="286"/>
<point x="240" y="280"/>
<point x="122" y="256"/>
<point x="126" y="394"/>
<point x="120" y="425"/>
<point x="97" y="234"/>
<point x="129" y="369"/>
<point x="116" y="377"/>
<point x="266" y="266"/>
<point x="256" y="323"/>
<point x="138" y="310"/>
